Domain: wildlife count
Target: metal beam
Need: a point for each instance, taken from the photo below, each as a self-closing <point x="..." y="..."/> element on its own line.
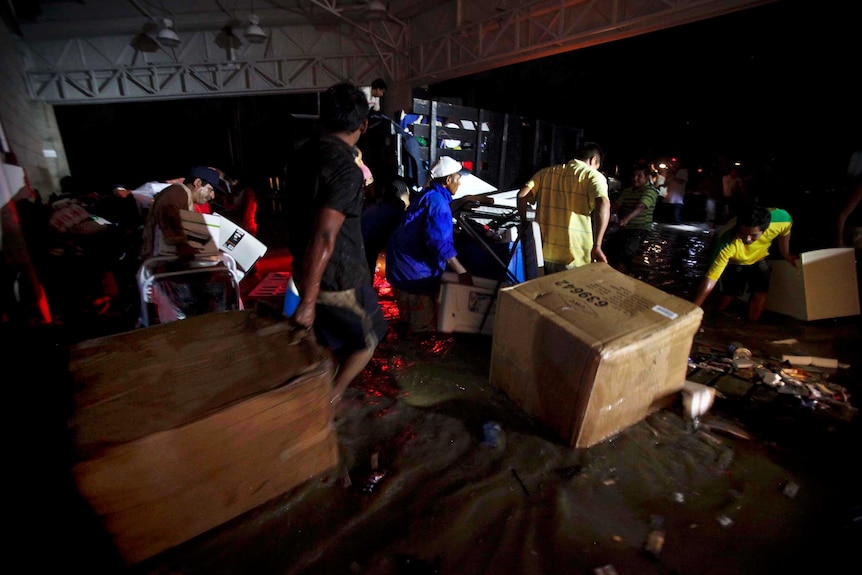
<point x="447" y="40"/>
<point x="542" y="28"/>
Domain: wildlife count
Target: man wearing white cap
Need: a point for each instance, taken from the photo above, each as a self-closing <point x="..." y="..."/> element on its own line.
<point x="423" y="246"/>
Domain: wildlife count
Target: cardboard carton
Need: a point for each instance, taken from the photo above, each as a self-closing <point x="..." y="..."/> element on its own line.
<point x="822" y="285"/>
<point x="591" y="351"/>
<point x="183" y="426"/>
<point x="201" y="233"/>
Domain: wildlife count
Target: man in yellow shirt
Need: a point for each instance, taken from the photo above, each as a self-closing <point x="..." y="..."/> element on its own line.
<point x="572" y="209"/>
<point x="741" y="257"/>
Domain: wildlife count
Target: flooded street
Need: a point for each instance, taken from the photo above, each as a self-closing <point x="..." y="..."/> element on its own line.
<point x="439" y="472"/>
<point x="764" y="485"/>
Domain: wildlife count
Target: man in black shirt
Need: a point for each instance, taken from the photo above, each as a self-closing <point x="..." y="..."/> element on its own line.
<point x="337" y="297"/>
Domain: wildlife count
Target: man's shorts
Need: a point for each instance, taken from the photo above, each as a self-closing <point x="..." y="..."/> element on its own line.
<point x="755" y="276"/>
<point x="349" y="321"/>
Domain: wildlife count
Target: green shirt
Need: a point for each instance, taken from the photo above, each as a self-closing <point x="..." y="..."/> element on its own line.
<point x="629" y="200"/>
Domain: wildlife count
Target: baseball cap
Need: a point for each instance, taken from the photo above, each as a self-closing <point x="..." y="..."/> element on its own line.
<point x="208" y="175"/>
<point x="445" y="166"/>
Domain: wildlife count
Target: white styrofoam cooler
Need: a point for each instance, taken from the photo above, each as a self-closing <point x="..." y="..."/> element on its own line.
<point x="463" y="309"/>
<point x="822" y="285"/>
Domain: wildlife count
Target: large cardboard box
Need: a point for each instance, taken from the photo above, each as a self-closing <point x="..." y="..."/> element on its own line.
<point x="183" y="426"/>
<point x="200" y="233"/>
<point x="591" y="351"/>
<point x="822" y="285"/>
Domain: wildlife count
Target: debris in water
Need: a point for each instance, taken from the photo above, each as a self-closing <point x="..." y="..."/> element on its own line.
<point x="655" y="538"/>
<point x="790" y="489"/>
<point x="373" y="480"/>
<point x="493" y="435"/>
<point x="727" y="428"/>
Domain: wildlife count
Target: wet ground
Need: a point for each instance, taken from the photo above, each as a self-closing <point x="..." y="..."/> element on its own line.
<point x="767" y="483"/>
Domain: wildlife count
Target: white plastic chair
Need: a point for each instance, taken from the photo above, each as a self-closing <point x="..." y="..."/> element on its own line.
<point x="170" y="267"/>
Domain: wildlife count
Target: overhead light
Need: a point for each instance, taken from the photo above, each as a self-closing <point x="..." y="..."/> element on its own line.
<point x="254" y="33"/>
<point x="376" y="10"/>
<point x="144" y="41"/>
<point x="167" y="36"/>
<point x="227" y="39"/>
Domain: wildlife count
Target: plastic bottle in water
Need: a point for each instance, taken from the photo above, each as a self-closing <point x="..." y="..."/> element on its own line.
<point x="291" y="298"/>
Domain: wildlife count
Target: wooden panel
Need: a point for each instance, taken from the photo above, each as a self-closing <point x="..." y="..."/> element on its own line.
<point x="183" y="426"/>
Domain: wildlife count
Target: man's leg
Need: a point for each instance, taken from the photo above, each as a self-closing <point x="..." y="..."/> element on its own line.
<point x="759" y="275"/>
<point x="725" y="302"/>
<point x="731" y="285"/>
<point x="346" y="321"/>
<point x="348" y="370"/>
<point x="756" y="305"/>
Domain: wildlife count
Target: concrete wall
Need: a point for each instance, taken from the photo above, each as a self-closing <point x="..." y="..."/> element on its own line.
<point x="30" y="126"/>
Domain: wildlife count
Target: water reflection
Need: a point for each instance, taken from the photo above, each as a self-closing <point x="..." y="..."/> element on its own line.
<point x="675" y="258"/>
<point x="435" y="368"/>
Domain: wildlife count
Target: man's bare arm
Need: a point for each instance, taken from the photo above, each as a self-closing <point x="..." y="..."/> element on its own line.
<point x="317" y="257"/>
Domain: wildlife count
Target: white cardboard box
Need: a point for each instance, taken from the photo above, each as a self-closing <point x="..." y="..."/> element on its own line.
<point x="234" y="241"/>
<point x="463" y="309"/>
<point x="822" y="285"/>
<point x="244" y="247"/>
<point x="591" y="351"/>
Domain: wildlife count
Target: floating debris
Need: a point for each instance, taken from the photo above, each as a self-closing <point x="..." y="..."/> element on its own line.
<point x="827" y="362"/>
<point x="493" y="435"/>
<point x="655" y="538"/>
<point x="373" y="480"/>
<point x="790" y="489"/>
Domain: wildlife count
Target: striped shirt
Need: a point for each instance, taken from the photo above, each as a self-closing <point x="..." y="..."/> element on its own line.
<point x="565" y="196"/>
<point x="629" y="200"/>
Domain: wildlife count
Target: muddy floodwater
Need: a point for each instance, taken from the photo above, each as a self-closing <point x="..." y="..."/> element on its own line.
<point x="441" y="473"/>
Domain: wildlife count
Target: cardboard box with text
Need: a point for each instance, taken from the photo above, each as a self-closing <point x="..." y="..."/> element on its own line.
<point x="591" y="351"/>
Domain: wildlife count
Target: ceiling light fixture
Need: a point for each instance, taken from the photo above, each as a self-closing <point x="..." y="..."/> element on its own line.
<point x="376" y="10"/>
<point x="167" y="36"/>
<point x="228" y="40"/>
<point x="254" y="33"/>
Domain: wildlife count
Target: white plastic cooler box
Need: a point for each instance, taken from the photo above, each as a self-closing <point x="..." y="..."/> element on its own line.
<point x="467" y="309"/>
